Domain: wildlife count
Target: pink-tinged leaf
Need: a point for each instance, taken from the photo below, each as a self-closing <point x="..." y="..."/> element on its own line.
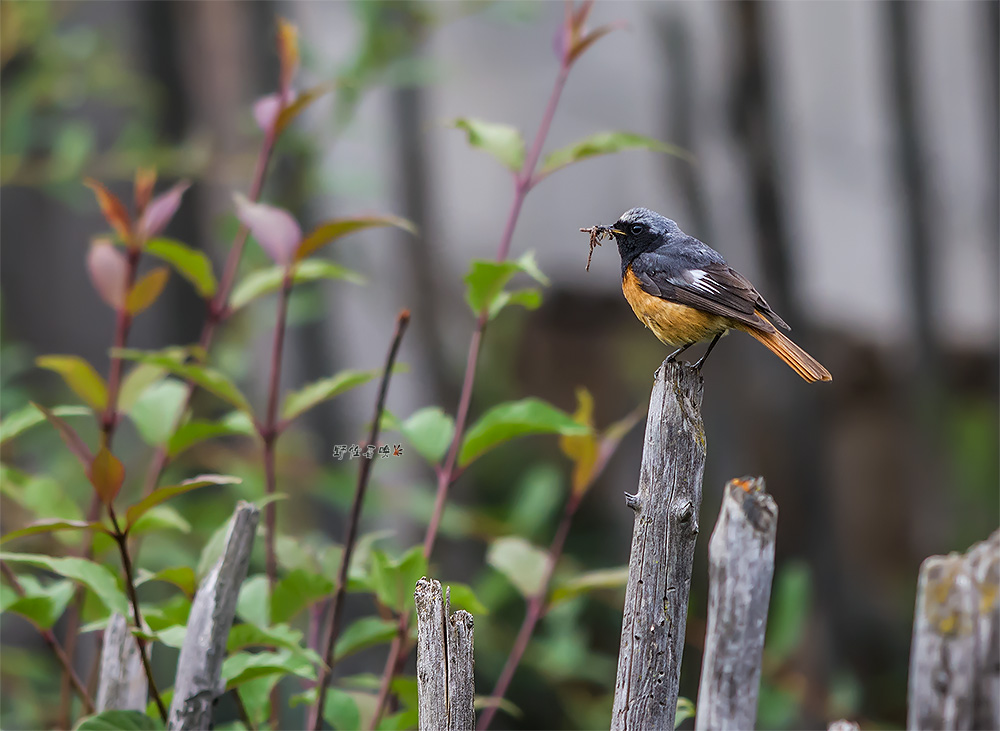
<point x="106" y="474"/>
<point x="288" y="52"/>
<point x="274" y="228"/>
<point x="145" y="180"/>
<point x="51" y="526"/>
<point x="165" y="493"/>
<point x="108" y="271"/>
<point x="146" y="290"/>
<point x="578" y="16"/>
<point x="298" y="103"/>
<point x="162" y="208"/>
<point x="584" y="43"/>
<point x="266" y="111"/>
<point x="68" y="434"/>
<point x="338" y="227"/>
<point x="113" y="209"/>
<point x="80" y="376"/>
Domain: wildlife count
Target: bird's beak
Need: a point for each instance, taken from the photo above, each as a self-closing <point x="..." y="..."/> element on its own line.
<point x="616" y="232"/>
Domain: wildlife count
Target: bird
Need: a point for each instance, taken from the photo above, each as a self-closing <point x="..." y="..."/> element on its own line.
<point x="685" y="292"/>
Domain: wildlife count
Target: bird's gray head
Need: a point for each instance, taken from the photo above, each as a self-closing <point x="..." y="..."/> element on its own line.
<point x="639" y="230"/>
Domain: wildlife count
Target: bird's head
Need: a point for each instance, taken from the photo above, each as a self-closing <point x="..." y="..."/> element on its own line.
<point x="639" y="230"/>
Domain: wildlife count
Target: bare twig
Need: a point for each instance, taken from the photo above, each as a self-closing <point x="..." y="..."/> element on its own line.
<point x="334" y="617"/>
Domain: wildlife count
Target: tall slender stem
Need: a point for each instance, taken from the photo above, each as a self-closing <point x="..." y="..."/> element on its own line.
<point x="523" y="183"/>
<point x="333" y="630"/>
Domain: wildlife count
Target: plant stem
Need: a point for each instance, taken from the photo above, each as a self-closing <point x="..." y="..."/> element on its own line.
<point x="122" y="540"/>
<point x="53" y="643"/>
<point x="523" y="183"/>
<point x="536" y="606"/>
<point x="334" y="618"/>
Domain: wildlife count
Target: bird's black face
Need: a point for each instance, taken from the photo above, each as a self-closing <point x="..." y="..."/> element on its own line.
<point x="640" y="230"/>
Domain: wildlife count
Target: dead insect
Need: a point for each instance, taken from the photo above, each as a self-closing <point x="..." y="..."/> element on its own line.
<point x="597" y="234"/>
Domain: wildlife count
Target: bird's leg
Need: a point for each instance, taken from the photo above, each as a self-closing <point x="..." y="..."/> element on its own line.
<point x="701" y="361"/>
<point x="672" y="356"/>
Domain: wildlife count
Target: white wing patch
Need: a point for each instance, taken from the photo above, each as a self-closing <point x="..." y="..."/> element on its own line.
<point x="699" y="279"/>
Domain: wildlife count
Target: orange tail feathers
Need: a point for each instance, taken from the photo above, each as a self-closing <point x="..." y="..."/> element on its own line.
<point x="800" y="361"/>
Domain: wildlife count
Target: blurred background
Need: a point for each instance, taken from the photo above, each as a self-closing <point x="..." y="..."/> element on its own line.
<point x="845" y="160"/>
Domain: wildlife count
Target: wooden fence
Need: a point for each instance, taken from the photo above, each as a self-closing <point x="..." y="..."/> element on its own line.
<point x="955" y="658"/>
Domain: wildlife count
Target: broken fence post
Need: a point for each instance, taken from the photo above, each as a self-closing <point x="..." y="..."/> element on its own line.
<point x="663" y="540"/>
<point x="199" y="666"/>
<point x="123" y="685"/>
<point x="445" y="664"/>
<point x="741" y="565"/>
<point x="984" y="564"/>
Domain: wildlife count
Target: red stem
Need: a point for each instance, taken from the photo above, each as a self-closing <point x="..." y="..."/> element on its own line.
<point x="333" y="623"/>
<point x="523" y="183"/>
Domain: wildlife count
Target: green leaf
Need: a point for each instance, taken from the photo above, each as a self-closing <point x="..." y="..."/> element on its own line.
<point x="341" y="710"/>
<point x="119" y="721"/>
<point x="514" y="419"/>
<point x="241" y="667"/>
<point x="39" y="494"/>
<point x="430" y="431"/>
<point x="590" y="581"/>
<point x="156" y="411"/>
<point x="298" y="402"/>
<point x="70" y="438"/>
<point x="80" y="376"/>
<point x="43" y="606"/>
<point x="161" y="517"/>
<point x="296" y="591"/>
<point x="20" y="421"/>
<point x="180" y="576"/>
<point x="530" y="299"/>
<point x="363" y="633"/>
<point x="94" y="576"/>
<point x="190" y="263"/>
<point x="500" y="140"/>
<point x="208" y="378"/>
<point x="139" y="378"/>
<point x="522" y="563"/>
<point x="147" y="290"/>
<point x="166" y="493"/>
<point x="254" y="602"/>
<point x="282" y="636"/>
<point x="790" y="607"/>
<point x="212" y="550"/>
<point x="486" y="280"/>
<point x="197" y="431"/>
<point x="268" y="280"/>
<point x="51" y="526"/>
<point x="685" y="710"/>
<point x="338" y="227"/>
<point x="605" y="143"/>
<point x="394" y="581"/>
<point x="463" y="597"/>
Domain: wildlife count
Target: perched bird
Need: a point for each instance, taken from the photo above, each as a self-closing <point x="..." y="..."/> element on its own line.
<point x="685" y="292"/>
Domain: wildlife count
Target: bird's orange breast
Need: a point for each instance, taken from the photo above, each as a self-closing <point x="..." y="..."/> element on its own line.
<point x="674" y="324"/>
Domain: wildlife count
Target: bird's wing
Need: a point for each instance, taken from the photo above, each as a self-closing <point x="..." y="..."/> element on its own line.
<point x="712" y="287"/>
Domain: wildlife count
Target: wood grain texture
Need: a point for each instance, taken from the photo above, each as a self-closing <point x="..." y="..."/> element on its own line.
<point x="741" y="566"/>
<point x="445" y="664"/>
<point x="199" y="667"/>
<point x="663" y="540"/>
<point x="122" y="685"/>
<point x="984" y="565"/>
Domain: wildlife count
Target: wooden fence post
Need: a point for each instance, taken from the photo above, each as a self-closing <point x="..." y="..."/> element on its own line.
<point x="199" y="666"/>
<point x="445" y="665"/>
<point x="663" y="539"/>
<point x="123" y="685"/>
<point x="741" y="565"/>
<point x="954" y="677"/>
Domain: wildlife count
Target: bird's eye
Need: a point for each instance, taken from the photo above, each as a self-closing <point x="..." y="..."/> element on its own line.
<point x="636" y="229"/>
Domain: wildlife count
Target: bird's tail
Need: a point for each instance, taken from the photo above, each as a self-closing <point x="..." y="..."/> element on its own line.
<point x="800" y="361"/>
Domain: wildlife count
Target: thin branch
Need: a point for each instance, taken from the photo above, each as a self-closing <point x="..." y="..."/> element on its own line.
<point x="53" y="643"/>
<point x="523" y="183"/>
<point x="334" y="617"/>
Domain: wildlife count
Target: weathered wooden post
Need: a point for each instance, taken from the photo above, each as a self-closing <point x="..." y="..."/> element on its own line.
<point x="663" y="539"/>
<point x="123" y="685"/>
<point x="741" y="565"/>
<point x="954" y="677"/>
<point x="199" y="667"/>
<point x="445" y="665"/>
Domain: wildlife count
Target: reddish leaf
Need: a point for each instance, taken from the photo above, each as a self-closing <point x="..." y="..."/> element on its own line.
<point x="113" y="209"/>
<point x="108" y="271"/>
<point x="145" y="180"/>
<point x="337" y="227"/>
<point x="584" y="43"/>
<point x="288" y="52"/>
<point x="106" y="474"/>
<point x="165" y="493"/>
<point x="295" y="104"/>
<point x="146" y="290"/>
<point x="274" y="228"/>
<point x="51" y="526"/>
<point x="162" y="208"/>
<point x="266" y="111"/>
<point x="69" y="436"/>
